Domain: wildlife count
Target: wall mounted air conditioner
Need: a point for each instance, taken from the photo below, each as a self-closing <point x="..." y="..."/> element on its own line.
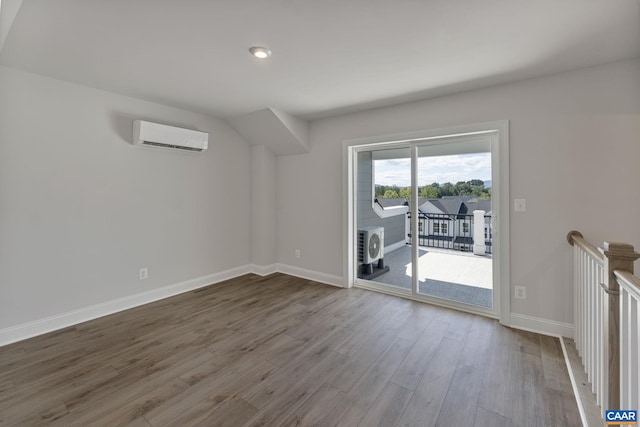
<point x="157" y="135"/>
<point x="370" y="244"/>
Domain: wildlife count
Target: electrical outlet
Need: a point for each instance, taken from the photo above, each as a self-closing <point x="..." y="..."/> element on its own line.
<point x="144" y="273"/>
<point x="297" y="253"/>
<point x="520" y="292"/>
<point x="519" y="205"/>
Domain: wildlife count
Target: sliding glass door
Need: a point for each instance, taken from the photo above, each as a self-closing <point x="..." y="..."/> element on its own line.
<point x="423" y="219"/>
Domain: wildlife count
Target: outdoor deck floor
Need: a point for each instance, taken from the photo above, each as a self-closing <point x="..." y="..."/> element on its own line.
<point x="452" y="275"/>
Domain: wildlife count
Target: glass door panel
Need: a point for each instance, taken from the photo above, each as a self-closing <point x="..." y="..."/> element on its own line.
<point x="383" y="194"/>
<point x="454" y="221"/>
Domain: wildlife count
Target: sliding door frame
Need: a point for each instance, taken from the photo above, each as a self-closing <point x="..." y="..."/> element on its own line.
<point x="498" y="131"/>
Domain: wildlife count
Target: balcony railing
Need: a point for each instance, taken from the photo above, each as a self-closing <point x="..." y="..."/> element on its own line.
<point x="449" y="231"/>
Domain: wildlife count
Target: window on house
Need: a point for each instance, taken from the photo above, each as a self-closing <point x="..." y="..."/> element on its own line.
<point x="443" y="228"/>
<point x="420" y="227"/>
<point x="465" y="227"/>
<point x="436" y="227"/>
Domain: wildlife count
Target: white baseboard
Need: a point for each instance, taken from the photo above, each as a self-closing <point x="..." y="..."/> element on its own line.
<point x="264" y="270"/>
<point x="541" y="326"/>
<point x="59" y="321"/>
<point x="574" y="384"/>
<point x="63" y="320"/>
<point x="316" y="276"/>
<point x="392" y="247"/>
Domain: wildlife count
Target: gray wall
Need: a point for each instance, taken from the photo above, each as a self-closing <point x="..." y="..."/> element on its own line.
<point x="393" y="226"/>
<point x="263" y="206"/>
<point x="81" y="209"/>
<point x="574" y="148"/>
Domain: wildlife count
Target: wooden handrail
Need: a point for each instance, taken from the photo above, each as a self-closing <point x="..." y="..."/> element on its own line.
<point x="577" y="238"/>
<point x="629" y="281"/>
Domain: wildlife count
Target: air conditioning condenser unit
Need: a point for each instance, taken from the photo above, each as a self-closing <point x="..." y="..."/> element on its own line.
<point x="370" y="244"/>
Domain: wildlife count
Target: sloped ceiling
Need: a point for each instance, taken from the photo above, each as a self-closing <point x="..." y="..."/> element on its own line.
<point x="281" y="133"/>
<point x="329" y="57"/>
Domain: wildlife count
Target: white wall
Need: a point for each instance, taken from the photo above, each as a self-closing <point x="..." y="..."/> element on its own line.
<point x="263" y="206"/>
<point x="8" y="12"/>
<point x="81" y="209"/>
<point x="574" y="148"/>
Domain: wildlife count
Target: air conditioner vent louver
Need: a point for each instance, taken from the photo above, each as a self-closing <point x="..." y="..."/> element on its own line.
<point x="370" y="244"/>
<point x="178" y="147"/>
<point x="158" y="135"/>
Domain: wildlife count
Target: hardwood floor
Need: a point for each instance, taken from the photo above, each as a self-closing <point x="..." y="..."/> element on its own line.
<point x="286" y="351"/>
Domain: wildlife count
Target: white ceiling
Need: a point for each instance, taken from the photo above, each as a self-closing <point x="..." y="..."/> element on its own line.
<point x="329" y="56"/>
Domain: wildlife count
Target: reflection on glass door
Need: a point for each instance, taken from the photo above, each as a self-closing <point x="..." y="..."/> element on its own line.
<point x="383" y="195"/>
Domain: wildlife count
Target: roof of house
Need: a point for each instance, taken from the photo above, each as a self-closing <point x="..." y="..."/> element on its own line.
<point x="455" y="205"/>
<point x="391" y="202"/>
<point x="449" y="205"/>
<point x="478" y="204"/>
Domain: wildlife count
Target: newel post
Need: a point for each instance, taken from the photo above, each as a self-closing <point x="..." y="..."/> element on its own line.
<point x="617" y="256"/>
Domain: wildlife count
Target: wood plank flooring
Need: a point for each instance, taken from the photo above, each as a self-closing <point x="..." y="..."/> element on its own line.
<point x="280" y="350"/>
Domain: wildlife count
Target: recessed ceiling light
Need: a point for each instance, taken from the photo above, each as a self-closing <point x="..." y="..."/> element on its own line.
<point x="260" y="52"/>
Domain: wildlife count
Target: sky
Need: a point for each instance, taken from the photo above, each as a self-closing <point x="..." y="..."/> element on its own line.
<point x="440" y="169"/>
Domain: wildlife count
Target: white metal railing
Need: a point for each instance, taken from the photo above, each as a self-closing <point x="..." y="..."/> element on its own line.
<point x="606" y="300"/>
<point x="629" y="342"/>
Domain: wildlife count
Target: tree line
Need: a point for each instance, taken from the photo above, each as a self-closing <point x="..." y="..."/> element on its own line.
<point x="474" y="187"/>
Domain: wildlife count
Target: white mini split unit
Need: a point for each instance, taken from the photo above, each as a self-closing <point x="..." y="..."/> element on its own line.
<point x="157" y="135"/>
<point x="370" y="244"/>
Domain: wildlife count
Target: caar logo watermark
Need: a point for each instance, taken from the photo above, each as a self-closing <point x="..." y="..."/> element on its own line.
<point x="626" y="417"/>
